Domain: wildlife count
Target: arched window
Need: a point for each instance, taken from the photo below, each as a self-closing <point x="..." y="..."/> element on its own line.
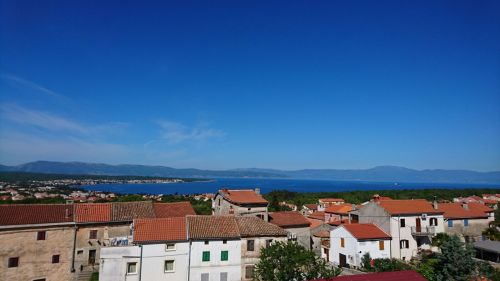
<point x="433" y="222"/>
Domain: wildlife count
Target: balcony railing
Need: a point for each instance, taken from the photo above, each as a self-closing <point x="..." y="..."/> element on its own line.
<point x="423" y="230"/>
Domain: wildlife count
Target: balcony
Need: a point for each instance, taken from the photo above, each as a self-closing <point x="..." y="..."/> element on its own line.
<point x="423" y="230"/>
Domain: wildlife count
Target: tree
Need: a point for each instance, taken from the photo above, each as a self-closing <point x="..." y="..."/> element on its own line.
<point x="492" y="233"/>
<point x="366" y="262"/>
<point x="285" y="261"/>
<point x="455" y="261"/>
<point x="439" y="239"/>
<point x="381" y="265"/>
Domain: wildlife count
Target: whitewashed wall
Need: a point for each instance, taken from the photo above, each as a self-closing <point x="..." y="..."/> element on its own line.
<point x="215" y="266"/>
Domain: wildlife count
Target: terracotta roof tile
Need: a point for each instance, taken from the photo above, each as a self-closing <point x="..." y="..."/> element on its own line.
<point x="341" y="209"/>
<point x="322" y="234"/>
<point x="128" y="211"/>
<point x="288" y="219"/>
<point x="255" y="227"/>
<point x="162" y="229"/>
<point x="212" y="227"/>
<point x="407" y="275"/>
<point x="400" y="207"/>
<point x="176" y="209"/>
<point x="317" y="215"/>
<point x="246" y="196"/>
<point x="457" y="210"/>
<point x="363" y="231"/>
<point x="93" y="212"/>
<point x="314" y="223"/>
<point x="35" y="214"/>
<point x="331" y="200"/>
<point x="313" y="207"/>
<point x="338" y="222"/>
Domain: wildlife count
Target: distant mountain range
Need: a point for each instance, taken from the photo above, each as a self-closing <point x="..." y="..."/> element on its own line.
<point x="381" y="173"/>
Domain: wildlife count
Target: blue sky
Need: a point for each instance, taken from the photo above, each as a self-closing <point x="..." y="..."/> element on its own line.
<point x="274" y="84"/>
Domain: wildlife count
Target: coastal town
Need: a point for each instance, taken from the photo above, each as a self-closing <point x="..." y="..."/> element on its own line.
<point x="153" y="240"/>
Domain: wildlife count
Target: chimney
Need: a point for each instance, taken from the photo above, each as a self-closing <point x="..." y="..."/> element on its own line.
<point x="435" y="203"/>
<point x="465" y="205"/>
<point x="257" y="190"/>
<point x="353" y="207"/>
<point x="376" y="197"/>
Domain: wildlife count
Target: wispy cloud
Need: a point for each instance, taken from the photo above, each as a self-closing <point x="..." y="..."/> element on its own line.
<point x="30" y="84"/>
<point x="174" y="132"/>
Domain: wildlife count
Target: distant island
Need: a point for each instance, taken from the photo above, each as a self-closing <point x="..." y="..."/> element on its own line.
<point x="377" y="174"/>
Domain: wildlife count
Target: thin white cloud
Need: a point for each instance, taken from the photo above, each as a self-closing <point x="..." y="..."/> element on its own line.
<point x="174" y="132"/>
<point x="30" y="84"/>
<point x="40" y="119"/>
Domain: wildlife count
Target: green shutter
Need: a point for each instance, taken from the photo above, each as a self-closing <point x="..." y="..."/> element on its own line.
<point x="224" y="255"/>
<point x="206" y="256"/>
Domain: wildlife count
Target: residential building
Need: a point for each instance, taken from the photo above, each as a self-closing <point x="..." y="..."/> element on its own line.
<point x="295" y="224"/>
<point x="349" y="242"/>
<point x="410" y="223"/>
<point x="240" y="203"/>
<point x="324" y="203"/>
<point x="36" y="242"/>
<point x="256" y="234"/>
<point x="467" y="220"/>
<point x="337" y="213"/>
<point x="161" y="252"/>
<point x="215" y="248"/>
<point x="308" y="209"/>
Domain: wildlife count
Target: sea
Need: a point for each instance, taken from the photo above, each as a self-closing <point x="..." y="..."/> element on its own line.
<point x="267" y="185"/>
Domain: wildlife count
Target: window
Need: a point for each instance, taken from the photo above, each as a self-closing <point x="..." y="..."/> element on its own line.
<point x="79" y="252"/>
<point x="450" y="223"/>
<point x="381" y="245"/>
<point x="14" y="262"/>
<point x="404" y="244"/>
<point x="205" y="277"/>
<point x="205" y="256"/>
<point x="249" y="271"/>
<point x="268" y="242"/>
<point x="131" y="267"/>
<point x="249" y="209"/>
<point x="224" y="255"/>
<point x="169" y="266"/>
<point x="93" y="234"/>
<point x="206" y="242"/>
<point x="223" y="276"/>
<point x="40" y="235"/>
<point x="466" y="222"/>
<point x="55" y="259"/>
<point x="43" y="279"/>
<point x="402" y="222"/>
<point x="170" y="247"/>
<point x="342" y="242"/>
<point x="250" y="245"/>
<point x="224" y="241"/>
<point x="433" y="221"/>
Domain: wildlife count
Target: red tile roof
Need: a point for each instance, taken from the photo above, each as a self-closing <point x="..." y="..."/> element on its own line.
<point x="457" y="210"/>
<point x="288" y="219"/>
<point x="313" y="207"/>
<point x="212" y="227"/>
<point x="362" y="231"/>
<point x="338" y="222"/>
<point x="255" y="227"/>
<point x="406" y="275"/>
<point x="314" y="223"/>
<point x="128" y="211"/>
<point x="331" y="200"/>
<point x="246" y="196"/>
<point x="317" y="215"/>
<point x="176" y="209"/>
<point x="163" y="229"/>
<point x="341" y="209"/>
<point x="322" y="234"/>
<point x="400" y="207"/>
<point x="35" y="214"/>
<point x="93" y="212"/>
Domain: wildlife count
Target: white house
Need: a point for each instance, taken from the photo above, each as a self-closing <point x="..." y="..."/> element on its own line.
<point x="410" y="223"/>
<point x="215" y="248"/>
<point x="161" y="253"/>
<point x="349" y="242"/>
